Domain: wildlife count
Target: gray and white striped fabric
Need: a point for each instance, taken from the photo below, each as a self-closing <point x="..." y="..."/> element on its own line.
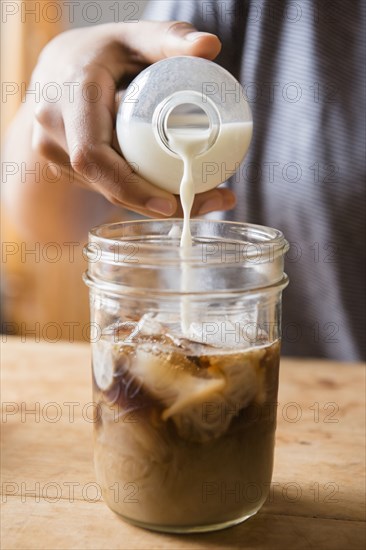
<point x="302" y="66"/>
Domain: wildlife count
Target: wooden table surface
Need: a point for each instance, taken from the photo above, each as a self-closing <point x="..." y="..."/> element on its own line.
<point x="49" y="495"/>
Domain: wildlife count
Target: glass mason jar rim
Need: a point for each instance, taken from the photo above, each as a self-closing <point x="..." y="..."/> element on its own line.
<point x="143" y="258"/>
<point x="270" y="242"/>
<point x="258" y="243"/>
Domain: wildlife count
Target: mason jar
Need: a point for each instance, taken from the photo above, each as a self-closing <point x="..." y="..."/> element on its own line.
<point x="186" y="415"/>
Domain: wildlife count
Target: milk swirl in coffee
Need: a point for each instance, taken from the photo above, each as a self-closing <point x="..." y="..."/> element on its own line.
<point x="185" y="431"/>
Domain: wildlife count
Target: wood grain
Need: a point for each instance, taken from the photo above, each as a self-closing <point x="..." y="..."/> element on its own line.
<point x="49" y="494"/>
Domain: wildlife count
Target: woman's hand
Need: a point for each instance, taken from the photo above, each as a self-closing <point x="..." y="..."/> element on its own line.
<point x="88" y="66"/>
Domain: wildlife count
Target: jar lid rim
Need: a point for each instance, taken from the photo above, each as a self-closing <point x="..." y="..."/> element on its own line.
<point x="136" y="242"/>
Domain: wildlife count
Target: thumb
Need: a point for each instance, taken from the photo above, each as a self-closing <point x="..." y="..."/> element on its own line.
<point x="153" y="40"/>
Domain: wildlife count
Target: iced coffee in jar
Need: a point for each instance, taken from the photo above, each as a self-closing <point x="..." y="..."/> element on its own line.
<point x="185" y="361"/>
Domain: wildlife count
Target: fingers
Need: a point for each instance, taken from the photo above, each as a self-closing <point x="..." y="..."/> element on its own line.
<point x="57" y="165"/>
<point x="48" y="121"/>
<point x="89" y="135"/>
<point x="152" y="41"/>
<point x="212" y="201"/>
<point x="204" y="203"/>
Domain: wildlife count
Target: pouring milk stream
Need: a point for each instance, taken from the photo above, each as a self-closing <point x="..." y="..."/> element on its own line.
<point x="185" y="123"/>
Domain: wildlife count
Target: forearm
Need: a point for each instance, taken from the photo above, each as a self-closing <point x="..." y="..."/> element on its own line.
<point x="39" y="195"/>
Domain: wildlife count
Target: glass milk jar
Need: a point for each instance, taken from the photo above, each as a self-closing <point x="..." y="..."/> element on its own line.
<point x="185" y="430"/>
<point x="182" y="99"/>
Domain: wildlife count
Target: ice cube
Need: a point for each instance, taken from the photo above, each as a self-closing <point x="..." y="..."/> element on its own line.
<point x="149" y="325"/>
<point x="186" y="389"/>
<point x="168" y="378"/>
<point x="103" y="359"/>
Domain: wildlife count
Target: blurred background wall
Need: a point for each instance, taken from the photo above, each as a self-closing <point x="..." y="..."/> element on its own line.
<point x="42" y="295"/>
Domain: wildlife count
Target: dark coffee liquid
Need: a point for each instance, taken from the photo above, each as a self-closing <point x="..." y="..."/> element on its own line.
<point x="183" y="439"/>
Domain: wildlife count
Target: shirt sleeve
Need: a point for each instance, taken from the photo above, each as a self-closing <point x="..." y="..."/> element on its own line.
<point x="202" y="14"/>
